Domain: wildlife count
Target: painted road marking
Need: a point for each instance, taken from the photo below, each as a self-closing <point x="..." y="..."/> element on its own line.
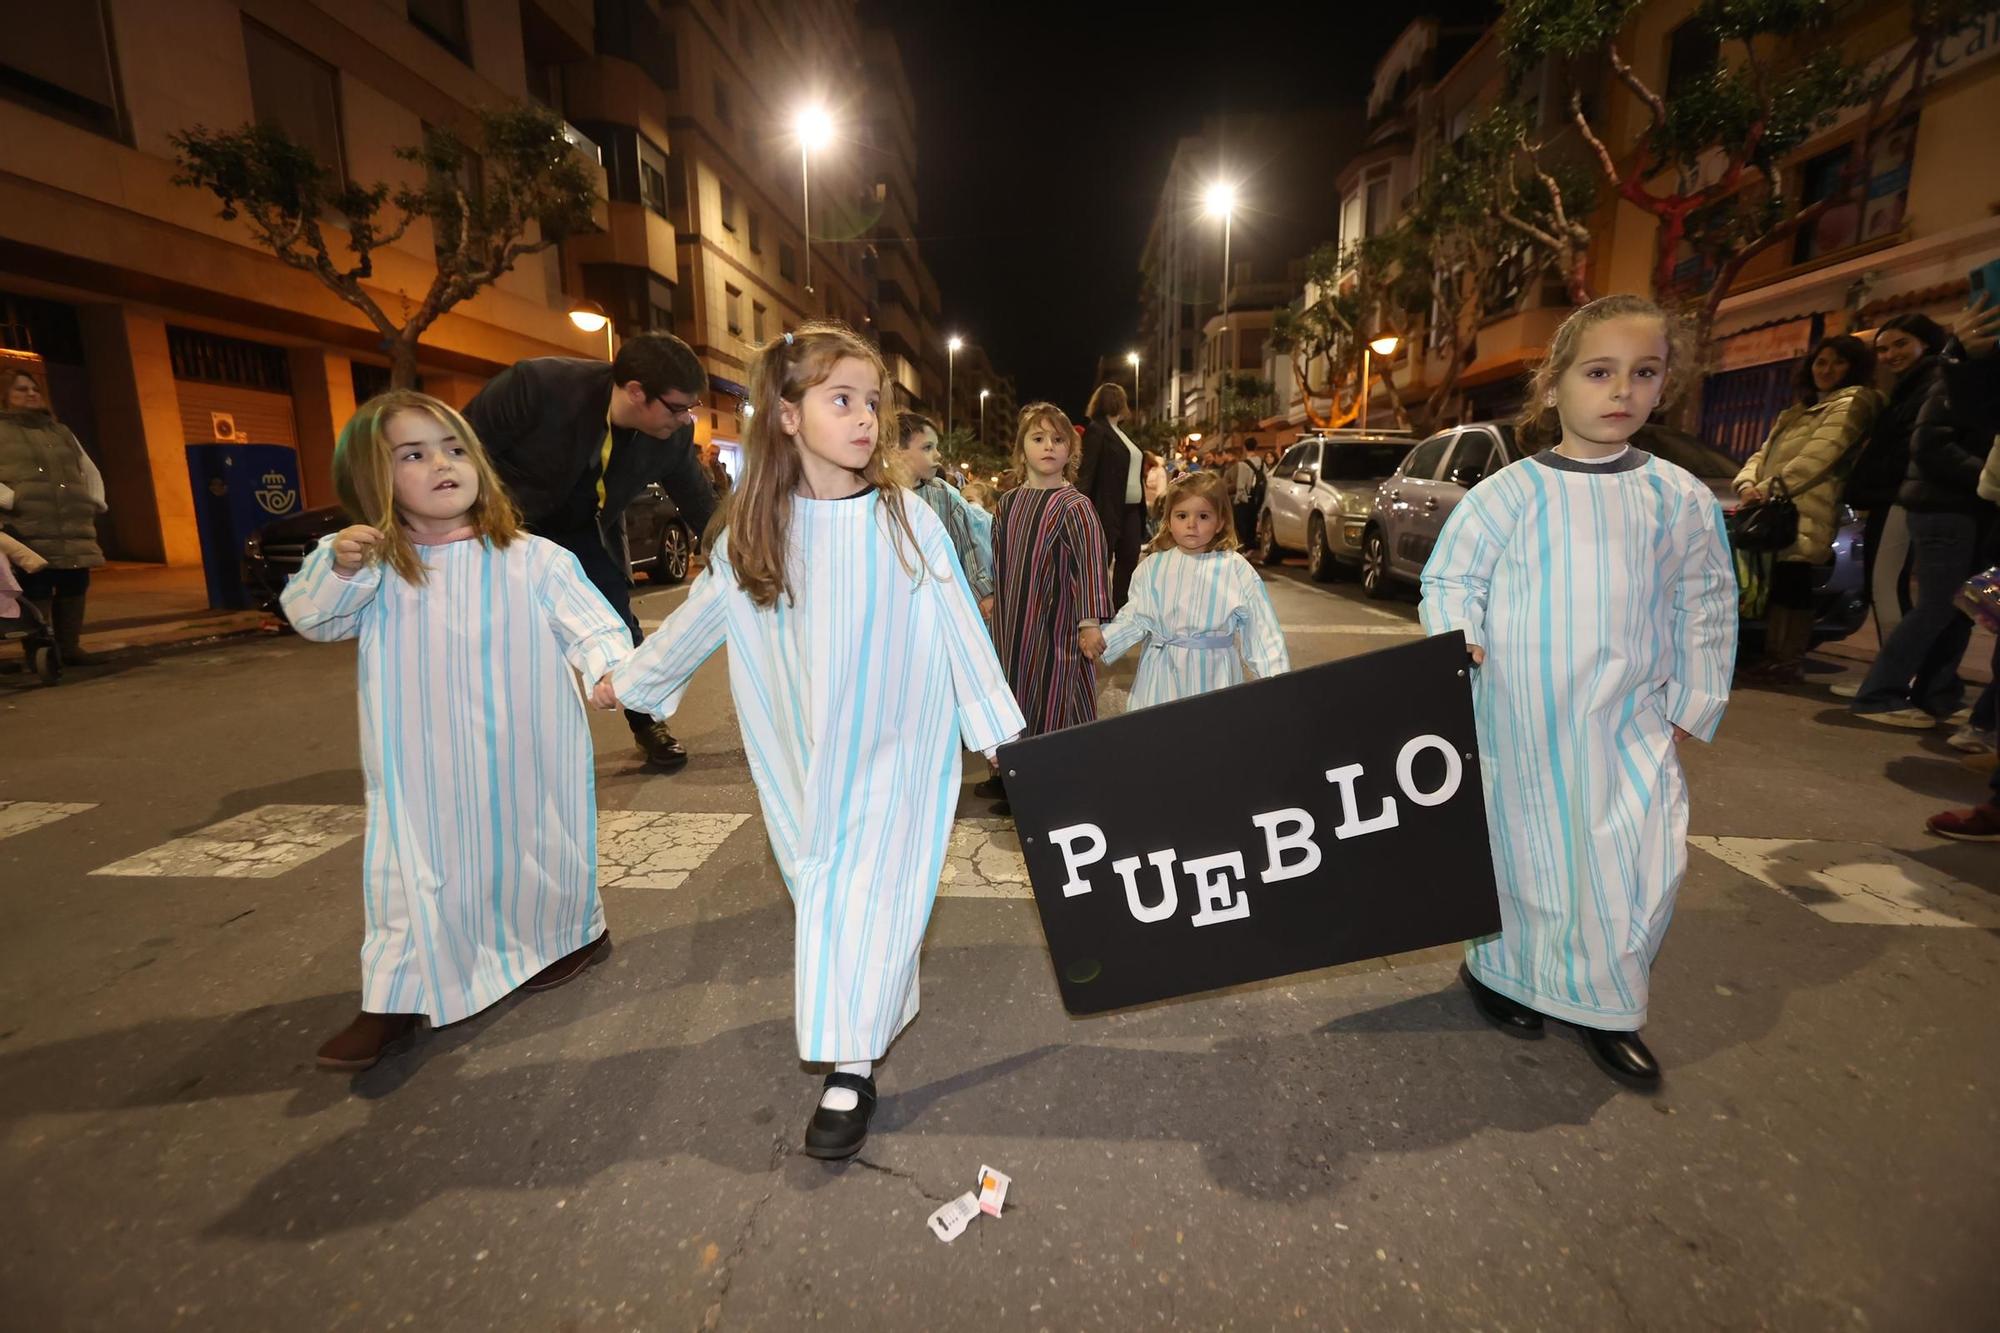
<point x="258" y="844"/>
<point x="20" y="816"/>
<point x="1857" y="883"/>
<point x="647" y="849"/>
<point x="983" y="860"/>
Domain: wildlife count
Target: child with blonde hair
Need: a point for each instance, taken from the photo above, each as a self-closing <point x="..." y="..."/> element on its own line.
<point x="857" y="662"/>
<point x="480" y="864"/>
<point x="1196" y="603"/>
<point x="1594" y="586"/>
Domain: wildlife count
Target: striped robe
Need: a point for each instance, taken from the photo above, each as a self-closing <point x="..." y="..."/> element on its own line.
<point x="1050" y="571"/>
<point x="480" y="863"/>
<point x="970" y="529"/>
<point x="853" y="698"/>
<point x="1605" y="599"/>
<point x="1195" y="613"/>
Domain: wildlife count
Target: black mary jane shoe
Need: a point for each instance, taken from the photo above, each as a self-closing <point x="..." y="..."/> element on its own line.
<point x="836" y="1135"/>
<point x="1623" y="1056"/>
<point x="990" y="790"/>
<point x="1509" y="1015"/>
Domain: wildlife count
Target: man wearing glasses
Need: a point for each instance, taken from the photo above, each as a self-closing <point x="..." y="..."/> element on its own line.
<point x="576" y="440"/>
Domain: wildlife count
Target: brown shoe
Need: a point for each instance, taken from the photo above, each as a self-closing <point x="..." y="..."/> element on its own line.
<point x="569" y="965"/>
<point x="361" y="1043"/>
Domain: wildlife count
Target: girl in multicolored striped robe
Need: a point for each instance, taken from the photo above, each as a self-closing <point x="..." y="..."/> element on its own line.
<point x="480" y="868"/>
<point x="1051" y="577"/>
<point x="1594" y="586"/>
<point x="1196" y="603"/>
<point x="857" y="663"/>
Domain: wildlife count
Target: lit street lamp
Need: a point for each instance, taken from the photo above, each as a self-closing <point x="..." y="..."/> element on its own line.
<point x="1221" y="203"/>
<point x="590" y="317"/>
<point x="814" y="129"/>
<point x="950" y="368"/>
<point x="1133" y="357"/>
<point x="1384" y="346"/>
<point x="982" y="416"/>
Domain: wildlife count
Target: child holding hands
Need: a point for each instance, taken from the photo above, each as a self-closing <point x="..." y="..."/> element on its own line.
<point x="480" y="862"/>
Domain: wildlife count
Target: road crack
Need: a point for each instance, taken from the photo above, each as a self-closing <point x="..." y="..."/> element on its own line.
<point x="906" y="1177"/>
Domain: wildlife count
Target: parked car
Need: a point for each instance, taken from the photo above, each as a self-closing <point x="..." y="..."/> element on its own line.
<point x="660" y="541"/>
<point x="1319" y="494"/>
<point x="1410" y="508"/>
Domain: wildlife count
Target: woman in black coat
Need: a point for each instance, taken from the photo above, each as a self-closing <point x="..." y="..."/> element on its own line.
<point x="1112" y="476"/>
<point x="1906" y="351"/>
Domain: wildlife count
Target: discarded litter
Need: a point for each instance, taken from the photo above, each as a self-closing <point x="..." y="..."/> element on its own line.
<point x="950" y="1221"/>
<point x="992" y="1190"/>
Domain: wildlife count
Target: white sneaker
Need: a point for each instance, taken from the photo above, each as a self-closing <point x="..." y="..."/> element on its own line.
<point x="1909" y="719"/>
<point x="1972" y="740"/>
<point x="1845" y="689"/>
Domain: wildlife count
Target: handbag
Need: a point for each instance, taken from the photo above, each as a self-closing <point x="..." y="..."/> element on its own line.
<point x="1980" y="598"/>
<point x="1766" y="525"/>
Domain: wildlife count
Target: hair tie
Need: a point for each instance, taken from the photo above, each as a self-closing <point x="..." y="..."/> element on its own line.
<point x="788" y="338"/>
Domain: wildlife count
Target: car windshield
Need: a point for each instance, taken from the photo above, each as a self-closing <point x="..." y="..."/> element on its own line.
<point x="1684" y="451"/>
<point x="1362" y="462"/>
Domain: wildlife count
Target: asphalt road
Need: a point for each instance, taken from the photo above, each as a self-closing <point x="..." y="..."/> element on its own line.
<point x="1347" y="1149"/>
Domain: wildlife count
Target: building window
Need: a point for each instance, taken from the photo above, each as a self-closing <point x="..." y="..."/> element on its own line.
<point x="59" y="63"/>
<point x="443" y="21"/>
<point x="1376" y="210"/>
<point x="756" y="233"/>
<point x="724" y="110"/>
<point x="1692" y="53"/>
<point x="633" y="30"/>
<point x="728" y="208"/>
<point x="757" y="313"/>
<point x="652" y="176"/>
<point x="1874" y="210"/>
<point x="735" y="309"/>
<point x="211" y="358"/>
<point x="660" y="300"/>
<point x="297" y="92"/>
<point x="788" y="263"/>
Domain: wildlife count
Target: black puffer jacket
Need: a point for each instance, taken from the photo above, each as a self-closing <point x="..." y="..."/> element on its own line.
<point x="1954" y="431"/>
<point x="1885" y="459"/>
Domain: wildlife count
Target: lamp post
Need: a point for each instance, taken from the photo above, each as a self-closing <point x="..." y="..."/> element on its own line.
<point x="982" y="416"/>
<point x="814" y="128"/>
<point x="1133" y="358"/>
<point x="1221" y="202"/>
<point x="1384" y="346"/>
<point x="950" y="369"/>
<point x="590" y="317"/>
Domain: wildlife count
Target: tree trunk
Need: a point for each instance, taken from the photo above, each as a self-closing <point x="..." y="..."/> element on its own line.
<point x="403" y="363"/>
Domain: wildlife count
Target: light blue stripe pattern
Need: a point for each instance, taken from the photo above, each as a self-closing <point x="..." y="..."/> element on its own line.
<point x="480" y="862"/>
<point x="854" y="700"/>
<point x="1606" y="604"/>
<point x="1187" y="607"/>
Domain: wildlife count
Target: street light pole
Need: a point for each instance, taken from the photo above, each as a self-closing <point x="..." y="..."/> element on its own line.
<point x="1133" y="357"/>
<point x="1221" y="202"/>
<point x="814" y="128"/>
<point x="982" y="417"/>
<point x="1384" y="346"/>
<point x="950" y="370"/>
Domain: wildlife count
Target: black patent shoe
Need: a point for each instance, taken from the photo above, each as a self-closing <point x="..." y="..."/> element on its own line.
<point x="1623" y="1056"/>
<point x="836" y="1135"/>
<point x="662" y="751"/>
<point x="1510" y="1016"/>
<point x="990" y="790"/>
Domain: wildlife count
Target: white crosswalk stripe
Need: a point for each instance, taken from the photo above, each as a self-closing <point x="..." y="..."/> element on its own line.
<point x="257" y="844"/>
<point x="20" y="816"/>
<point x="983" y="860"/>
<point x="1857" y="883"/>
<point x="646" y="849"/>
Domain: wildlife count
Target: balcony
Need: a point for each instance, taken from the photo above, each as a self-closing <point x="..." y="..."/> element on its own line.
<point x="634" y="236"/>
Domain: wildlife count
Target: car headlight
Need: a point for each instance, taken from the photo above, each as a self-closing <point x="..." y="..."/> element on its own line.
<point x="1355" y="503"/>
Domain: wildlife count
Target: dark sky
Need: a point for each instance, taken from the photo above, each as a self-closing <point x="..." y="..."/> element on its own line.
<point x="1043" y="137"/>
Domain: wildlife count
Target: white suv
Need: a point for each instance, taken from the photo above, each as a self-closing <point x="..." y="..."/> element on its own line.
<point x="1318" y="497"/>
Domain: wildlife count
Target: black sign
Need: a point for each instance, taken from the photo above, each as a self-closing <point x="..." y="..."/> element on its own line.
<point x="1325" y="815"/>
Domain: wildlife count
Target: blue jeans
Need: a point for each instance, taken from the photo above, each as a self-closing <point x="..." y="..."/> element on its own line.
<point x="1918" y="666"/>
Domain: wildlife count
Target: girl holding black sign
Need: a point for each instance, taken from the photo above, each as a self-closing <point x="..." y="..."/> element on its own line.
<point x="1594" y="586"/>
<point x="1195" y="603"/>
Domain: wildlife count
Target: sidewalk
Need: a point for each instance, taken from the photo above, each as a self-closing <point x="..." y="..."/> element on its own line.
<point x="1854" y="654"/>
<point x="155" y="606"/>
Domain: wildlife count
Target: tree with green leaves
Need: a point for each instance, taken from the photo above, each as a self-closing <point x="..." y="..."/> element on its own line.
<point x="517" y="188"/>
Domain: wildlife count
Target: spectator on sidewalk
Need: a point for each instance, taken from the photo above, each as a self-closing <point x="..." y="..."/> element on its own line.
<point x="1248" y="478"/>
<point x="1803" y="458"/>
<point x="1111" y="476"/>
<point x="58" y="494"/>
<point x="576" y="440"/>
<point x="1914" y="681"/>
<point x="1906" y="348"/>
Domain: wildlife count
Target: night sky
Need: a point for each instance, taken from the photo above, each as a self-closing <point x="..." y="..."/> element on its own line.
<point x="1043" y="137"/>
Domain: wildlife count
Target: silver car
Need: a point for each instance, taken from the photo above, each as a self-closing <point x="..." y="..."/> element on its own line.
<point x="1319" y="494"/>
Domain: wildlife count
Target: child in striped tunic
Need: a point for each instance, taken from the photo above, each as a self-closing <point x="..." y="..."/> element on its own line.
<point x="1196" y="603"/>
<point x="480" y="865"/>
<point x="1594" y="586"/>
<point x="857" y="663"/>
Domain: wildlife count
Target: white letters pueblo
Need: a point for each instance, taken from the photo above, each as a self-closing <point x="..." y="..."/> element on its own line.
<point x="1290" y="850"/>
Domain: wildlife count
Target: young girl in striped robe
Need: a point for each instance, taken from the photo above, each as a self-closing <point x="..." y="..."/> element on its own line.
<point x="480" y="865"/>
<point x="1594" y="586"/>
<point x="857" y="663"/>
<point x="1196" y="604"/>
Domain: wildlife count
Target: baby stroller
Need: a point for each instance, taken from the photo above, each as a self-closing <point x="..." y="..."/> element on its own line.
<point x="31" y="630"/>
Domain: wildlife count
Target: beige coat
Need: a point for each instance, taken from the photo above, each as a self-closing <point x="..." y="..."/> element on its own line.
<point x="1808" y="443"/>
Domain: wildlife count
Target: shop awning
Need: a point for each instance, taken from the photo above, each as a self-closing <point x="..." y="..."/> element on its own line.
<point x="1499" y="366"/>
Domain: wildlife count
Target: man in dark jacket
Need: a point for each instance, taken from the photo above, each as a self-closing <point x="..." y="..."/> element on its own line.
<point x="577" y="440"/>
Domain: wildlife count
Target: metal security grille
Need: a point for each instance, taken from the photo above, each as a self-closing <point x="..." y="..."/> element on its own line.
<point x="210" y="358"/>
<point x="1738" y="406"/>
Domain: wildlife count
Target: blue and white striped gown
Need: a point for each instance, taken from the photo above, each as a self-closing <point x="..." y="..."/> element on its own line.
<point x="480" y="863"/>
<point x="1606" y="602"/>
<point x="1196" y="612"/>
<point x="853" y="700"/>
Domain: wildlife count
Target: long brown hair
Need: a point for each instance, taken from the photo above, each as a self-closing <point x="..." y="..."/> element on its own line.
<point x="1107" y="400"/>
<point x="1035" y="414"/>
<point x="364" y="478"/>
<point x="760" y="509"/>
<point x="1538" y="414"/>
<point x="1207" y="486"/>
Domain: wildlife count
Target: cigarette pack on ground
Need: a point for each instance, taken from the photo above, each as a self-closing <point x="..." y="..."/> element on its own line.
<point x="992" y="1190"/>
<point x="950" y="1221"/>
